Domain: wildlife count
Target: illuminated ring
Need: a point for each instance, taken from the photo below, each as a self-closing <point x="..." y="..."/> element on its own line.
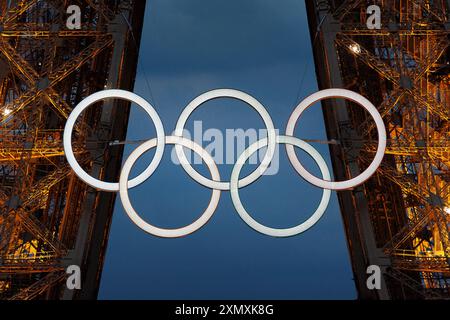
<point x="288" y="232"/>
<point x="239" y="95"/>
<point x="160" y="232"/>
<point x="357" y="98"/>
<point x="101" y="95"/>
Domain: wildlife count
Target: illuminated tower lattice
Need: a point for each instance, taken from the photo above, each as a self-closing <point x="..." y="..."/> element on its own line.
<point x="400" y="218"/>
<point x="49" y="219"/>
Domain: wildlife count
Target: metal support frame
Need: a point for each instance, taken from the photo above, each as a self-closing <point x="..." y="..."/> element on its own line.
<point x="48" y="218"/>
<point x="400" y="216"/>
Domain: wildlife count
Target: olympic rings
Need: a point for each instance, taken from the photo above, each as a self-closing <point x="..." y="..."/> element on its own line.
<point x="215" y="182"/>
<point x="260" y="227"/>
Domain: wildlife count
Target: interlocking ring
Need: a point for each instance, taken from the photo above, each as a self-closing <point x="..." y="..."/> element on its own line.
<point x="215" y="182"/>
<point x="239" y="95"/>
<point x="366" y="104"/>
<point x="106" y="94"/>
<point x="288" y="232"/>
<point x="168" y="233"/>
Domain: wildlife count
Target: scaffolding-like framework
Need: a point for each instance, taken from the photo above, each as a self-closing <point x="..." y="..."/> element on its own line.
<point x="49" y="219"/>
<point x="400" y="218"/>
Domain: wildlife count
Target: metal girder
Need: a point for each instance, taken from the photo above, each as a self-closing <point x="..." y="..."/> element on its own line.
<point x="8" y="232"/>
<point x="75" y="63"/>
<point x="409" y="230"/>
<point x="345" y="8"/>
<point x="398" y="93"/>
<point x="26" y="267"/>
<point x="9" y="155"/>
<point x="422" y="264"/>
<point x="402" y="30"/>
<point x="101" y="7"/>
<point x="438" y="49"/>
<point x="394" y="76"/>
<point x="16" y="12"/>
<point x="39" y="287"/>
<point x="38" y="194"/>
<point x="59" y="104"/>
<point x="10" y="259"/>
<point x="412" y="284"/>
<point x="424" y="215"/>
<point x="50" y="34"/>
<point x="28" y="74"/>
<point x="384" y="108"/>
<point x="12" y="149"/>
<point x="24" y="70"/>
<point x="32" y="225"/>
<point x="408" y="185"/>
<point x="431" y="9"/>
<point x="45" y="30"/>
<point x="46" y="144"/>
<point x="438" y="151"/>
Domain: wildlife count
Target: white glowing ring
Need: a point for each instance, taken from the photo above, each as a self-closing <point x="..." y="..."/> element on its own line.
<point x="357" y="98"/>
<point x="288" y="232"/>
<point x="239" y="95"/>
<point x="160" y="232"/>
<point x="105" y="94"/>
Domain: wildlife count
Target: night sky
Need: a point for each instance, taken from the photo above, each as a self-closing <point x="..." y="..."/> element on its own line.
<point x="261" y="47"/>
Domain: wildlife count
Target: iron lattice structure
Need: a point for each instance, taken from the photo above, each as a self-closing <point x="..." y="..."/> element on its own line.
<point x="49" y="219"/>
<point x="400" y="218"/>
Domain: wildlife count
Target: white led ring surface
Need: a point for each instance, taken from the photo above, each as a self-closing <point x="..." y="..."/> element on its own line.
<point x="161" y="232"/>
<point x="106" y="94"/>
<point x="239" y="95"/>
<point x="274" y="232"/>
<point x="362" y="101"/>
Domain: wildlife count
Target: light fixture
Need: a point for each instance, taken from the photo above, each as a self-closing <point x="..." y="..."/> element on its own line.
<point x="7" y="111"/>
<point x="447" y="210"/>
<point x="355" y="48"/>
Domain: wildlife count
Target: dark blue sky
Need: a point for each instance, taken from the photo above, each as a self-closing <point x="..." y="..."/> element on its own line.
<point x="263" y="48"/>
